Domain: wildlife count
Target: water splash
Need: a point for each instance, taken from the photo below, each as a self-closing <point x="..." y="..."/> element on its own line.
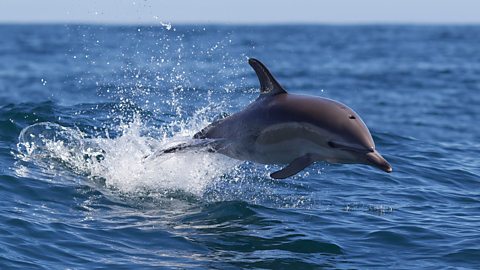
<point x="121" y="161"/>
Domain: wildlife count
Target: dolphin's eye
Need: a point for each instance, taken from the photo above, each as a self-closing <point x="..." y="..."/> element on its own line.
<point x="332" y="144"/>
<point x="351" y="116"/>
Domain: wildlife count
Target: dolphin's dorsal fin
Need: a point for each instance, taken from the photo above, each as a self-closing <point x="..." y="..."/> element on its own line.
<point x="268" y="84"/>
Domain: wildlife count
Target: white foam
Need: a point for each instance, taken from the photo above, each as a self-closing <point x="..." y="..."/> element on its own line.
<point x="122" y="161"/>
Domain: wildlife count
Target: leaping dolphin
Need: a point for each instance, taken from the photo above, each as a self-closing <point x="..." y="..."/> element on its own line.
<point x="283" y="128"/>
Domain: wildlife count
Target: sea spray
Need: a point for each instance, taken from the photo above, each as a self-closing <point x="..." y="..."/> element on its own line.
<point x="121" y="161"/>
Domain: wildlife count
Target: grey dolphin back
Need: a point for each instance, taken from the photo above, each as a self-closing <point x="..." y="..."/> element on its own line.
<point x="268" y="84"/>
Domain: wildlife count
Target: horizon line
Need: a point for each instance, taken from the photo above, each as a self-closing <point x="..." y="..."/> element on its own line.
<point x="219" y="23"/>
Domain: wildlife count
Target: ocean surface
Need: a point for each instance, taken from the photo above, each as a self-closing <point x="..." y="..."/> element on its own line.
<point x="84" y="108"/>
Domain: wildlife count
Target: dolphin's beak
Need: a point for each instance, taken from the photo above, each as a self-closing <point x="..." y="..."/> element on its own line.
<point x="375" y="159"/>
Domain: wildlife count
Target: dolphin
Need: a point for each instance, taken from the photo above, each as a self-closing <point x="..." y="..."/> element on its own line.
<point x="297" y="130"/>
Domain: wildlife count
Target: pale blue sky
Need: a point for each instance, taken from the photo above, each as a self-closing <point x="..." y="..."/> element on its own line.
<point x="242" y="11"/>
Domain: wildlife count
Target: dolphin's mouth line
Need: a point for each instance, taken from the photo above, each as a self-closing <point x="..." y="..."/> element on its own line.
<point x="373" y="157"/>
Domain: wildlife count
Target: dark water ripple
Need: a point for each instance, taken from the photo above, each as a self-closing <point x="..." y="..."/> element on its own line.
<point x="416" y="87"/>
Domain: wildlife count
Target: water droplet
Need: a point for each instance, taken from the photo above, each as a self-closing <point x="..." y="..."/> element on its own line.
<point x="167" y="26"/>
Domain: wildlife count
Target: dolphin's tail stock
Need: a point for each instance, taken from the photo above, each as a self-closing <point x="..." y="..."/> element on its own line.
<point x="209" y="145"/>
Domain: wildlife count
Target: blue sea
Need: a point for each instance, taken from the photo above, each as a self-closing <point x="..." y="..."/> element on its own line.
<point x="82" y="106"/>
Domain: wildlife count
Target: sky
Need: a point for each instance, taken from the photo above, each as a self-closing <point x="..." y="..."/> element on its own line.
<point x="241" y="11"/>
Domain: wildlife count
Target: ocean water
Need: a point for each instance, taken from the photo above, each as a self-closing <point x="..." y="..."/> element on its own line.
<point x="84" y="108"/>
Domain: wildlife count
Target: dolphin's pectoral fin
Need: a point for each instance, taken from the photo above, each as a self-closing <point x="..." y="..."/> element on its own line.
<point x="268" y="85"/>
<point x="294" y="167"/>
